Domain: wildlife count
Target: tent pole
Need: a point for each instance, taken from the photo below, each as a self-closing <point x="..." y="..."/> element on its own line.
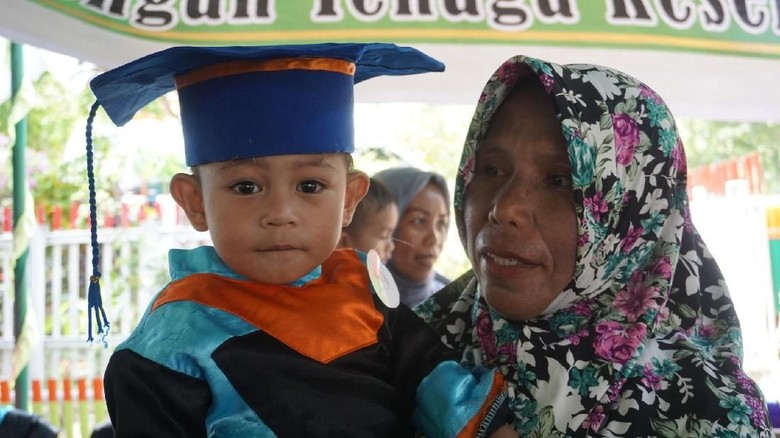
<point x="19" y="192"/>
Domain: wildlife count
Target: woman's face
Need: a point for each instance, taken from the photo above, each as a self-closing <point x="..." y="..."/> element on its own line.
<point x="521" y="227"/>
<point x="420" y="234"/>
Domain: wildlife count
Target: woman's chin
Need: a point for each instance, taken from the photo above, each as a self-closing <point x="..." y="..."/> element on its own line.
<point x="516" y="306"/>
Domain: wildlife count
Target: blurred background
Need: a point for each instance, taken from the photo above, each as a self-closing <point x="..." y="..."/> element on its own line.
<point x="716" y="67"/>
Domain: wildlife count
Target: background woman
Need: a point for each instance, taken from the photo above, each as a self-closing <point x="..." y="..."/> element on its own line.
<point x="423" y="203"/>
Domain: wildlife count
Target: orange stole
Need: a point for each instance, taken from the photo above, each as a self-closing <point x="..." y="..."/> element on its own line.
<point x="327" y="318"/>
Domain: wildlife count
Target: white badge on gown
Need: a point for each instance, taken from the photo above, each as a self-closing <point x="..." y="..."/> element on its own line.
<point x="382" y="280"/>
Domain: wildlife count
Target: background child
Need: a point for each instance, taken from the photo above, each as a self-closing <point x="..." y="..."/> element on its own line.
<point x="373" y="223"/>
<point x="271" y="332"/>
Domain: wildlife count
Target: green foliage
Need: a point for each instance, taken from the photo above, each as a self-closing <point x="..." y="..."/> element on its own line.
<point x="55" y="150"/>
<point x="51" y="122"/>
<point x="709" y="142"/>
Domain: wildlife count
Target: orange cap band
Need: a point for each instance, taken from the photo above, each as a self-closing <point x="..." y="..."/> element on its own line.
<point x="249" y="66"/>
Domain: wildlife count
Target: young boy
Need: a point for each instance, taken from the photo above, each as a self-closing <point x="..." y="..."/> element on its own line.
<point x="271" y="332"/>
<point x="372" y="223"/>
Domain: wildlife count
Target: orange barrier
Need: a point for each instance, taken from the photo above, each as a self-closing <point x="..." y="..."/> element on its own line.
<point x="713" y="177"/>
<point x="5" y="393"/>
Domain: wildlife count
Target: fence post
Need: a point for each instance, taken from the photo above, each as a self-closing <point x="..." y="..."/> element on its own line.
<point x="36" y="314"/>
<point x="54" y="406"/>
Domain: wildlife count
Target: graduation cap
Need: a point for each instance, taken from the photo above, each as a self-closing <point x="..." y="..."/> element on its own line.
<point x="247" y="101"/>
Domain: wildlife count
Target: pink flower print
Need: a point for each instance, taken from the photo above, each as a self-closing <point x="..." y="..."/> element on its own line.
<point x="508" y="349"/>
<point x="615" y="343"/>
<point x="627" y="197"/>
<point x="648" y="94"/>
<point x="637" y="298"/>
<point x="468" y="171"/>
<point x="577" y="337"/>
<point x="663" y="312"/>
<point x="594" y="419"/>
<point x="744" y="381"/>
<point x="757" y="411"/>
<point x="614" y="391"/>
<point x="678" y="156"/>
<point x="661" y="268"/>
<point x="547" y="82"/>
<point x="708" y="331"/>
<point x="487" y="339"/>
<point x="509" y="72"/>
<point x="626" y="137"/>
<point x="582" y="308"/>
<point x="482" y="97"/>
<point x="687" y="222"/>
<point x="596" y="205"/>
<point x="631" y="237"/>
<point x="583" y="238"/>
<point x="650" y="379"/>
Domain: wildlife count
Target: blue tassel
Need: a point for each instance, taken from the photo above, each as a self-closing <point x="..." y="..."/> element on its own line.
<point x="95" y="303"/>
<point x="94" y="299"/>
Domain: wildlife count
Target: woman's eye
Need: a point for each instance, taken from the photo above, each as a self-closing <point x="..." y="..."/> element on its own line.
<point x="487" y="169"/>
<point x="245" y="188"/>
<point x="561" y="181"/>
<point x="310" y="187"/>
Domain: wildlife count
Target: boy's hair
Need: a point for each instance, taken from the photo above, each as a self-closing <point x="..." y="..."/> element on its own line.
<point x="376" y="199"/>
<point x="347" y="158"/>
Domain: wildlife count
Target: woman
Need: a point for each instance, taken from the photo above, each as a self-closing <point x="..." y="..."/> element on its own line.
<point x="591" y="289"/>
<point x="424" y="206"/>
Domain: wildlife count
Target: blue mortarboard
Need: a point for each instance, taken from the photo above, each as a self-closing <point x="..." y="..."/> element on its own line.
<point x="243" y="102"/>
<point x="247" y="101"/>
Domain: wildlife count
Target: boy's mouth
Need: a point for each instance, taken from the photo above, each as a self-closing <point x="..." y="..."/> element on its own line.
<point x="280" y="248"/>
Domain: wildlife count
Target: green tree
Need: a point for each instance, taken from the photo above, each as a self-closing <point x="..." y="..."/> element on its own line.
<point x="56" y="175"/>
<point x="709" y="142"/>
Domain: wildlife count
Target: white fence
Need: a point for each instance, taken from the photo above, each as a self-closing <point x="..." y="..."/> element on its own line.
<point x="65" y="371"/>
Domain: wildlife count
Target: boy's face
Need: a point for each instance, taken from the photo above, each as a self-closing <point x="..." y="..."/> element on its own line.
<point x="272" y="219"/>
<point x="376" y="233"/>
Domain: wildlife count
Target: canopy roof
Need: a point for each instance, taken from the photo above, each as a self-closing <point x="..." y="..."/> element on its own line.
<point x="727" y="70"/>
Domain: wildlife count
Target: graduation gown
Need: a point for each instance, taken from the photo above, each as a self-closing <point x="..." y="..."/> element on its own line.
<point x="218" y="355"/>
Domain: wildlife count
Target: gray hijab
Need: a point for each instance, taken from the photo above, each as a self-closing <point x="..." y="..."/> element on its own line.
<point x="404" y="183"/>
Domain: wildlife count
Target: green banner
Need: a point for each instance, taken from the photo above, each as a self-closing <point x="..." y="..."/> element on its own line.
<point x="744" y="27"/>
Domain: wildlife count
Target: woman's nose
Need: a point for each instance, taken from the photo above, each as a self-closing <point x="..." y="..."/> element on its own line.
<point x="434" y="235"/>
<point x="513" y="204"/>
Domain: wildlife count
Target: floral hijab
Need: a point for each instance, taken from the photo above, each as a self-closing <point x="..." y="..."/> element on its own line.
<point x="644" y="340"/>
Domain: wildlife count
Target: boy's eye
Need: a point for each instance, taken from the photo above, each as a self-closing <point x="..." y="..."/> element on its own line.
<point x="245" y="187"/>
<point x="310" y="187"/>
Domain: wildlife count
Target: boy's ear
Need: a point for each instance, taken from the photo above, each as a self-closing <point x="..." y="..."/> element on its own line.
<point x="357" y="187"/>
<point x="186" y="191"/>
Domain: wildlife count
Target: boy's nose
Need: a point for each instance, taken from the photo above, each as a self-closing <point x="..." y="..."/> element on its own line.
<point x="278" y="210"/>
